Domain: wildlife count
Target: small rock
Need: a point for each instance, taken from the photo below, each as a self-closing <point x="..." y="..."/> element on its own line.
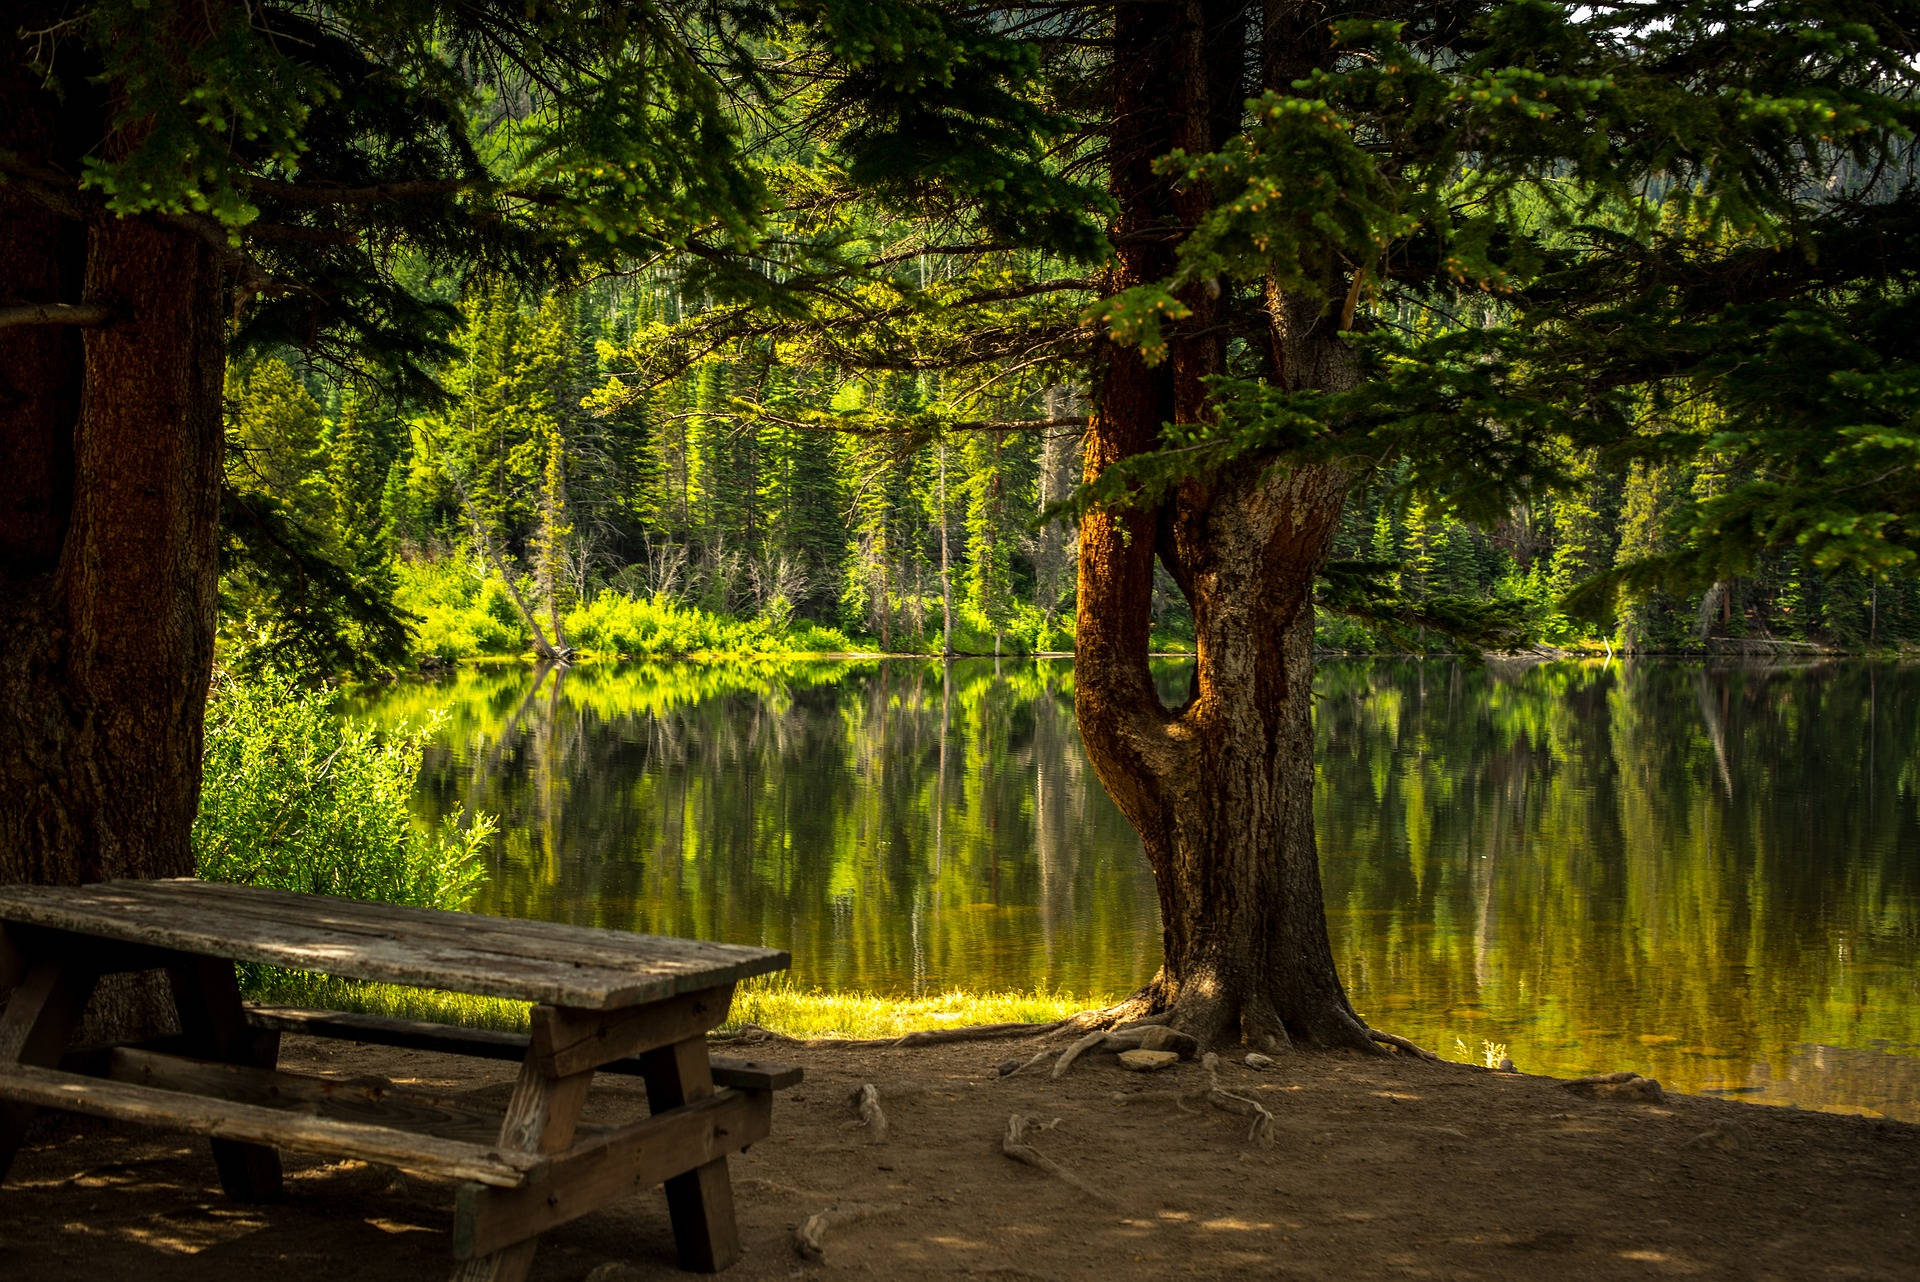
<point x="1148" y="1061"/>
<point x="1008" y="1067"/>
<point x="1505" y="1066"/>
<point x="1727" y="1136"/>
<point x="1258" y="1062"/>
<point x="1623" y="1086"/>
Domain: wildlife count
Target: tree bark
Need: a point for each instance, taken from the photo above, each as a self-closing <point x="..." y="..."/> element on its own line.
<point x="110" y="474"/>
<point x="1220" y="789"/>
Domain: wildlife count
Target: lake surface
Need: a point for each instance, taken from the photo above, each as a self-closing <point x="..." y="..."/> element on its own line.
<point x="1708" y="874"/>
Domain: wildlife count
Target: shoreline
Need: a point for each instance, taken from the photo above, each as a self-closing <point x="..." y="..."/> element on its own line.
<point x="1383" y="1166"/>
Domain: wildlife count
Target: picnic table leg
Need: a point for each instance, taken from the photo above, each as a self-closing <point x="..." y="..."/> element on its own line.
<point x="206" y="993"/>
<point x="541" y="1118"/>
<point x="35" y="1028"/>
<point x="700" y="1202"/>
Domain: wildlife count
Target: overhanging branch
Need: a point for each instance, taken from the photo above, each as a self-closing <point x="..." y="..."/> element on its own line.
<point x="55" y="314"/>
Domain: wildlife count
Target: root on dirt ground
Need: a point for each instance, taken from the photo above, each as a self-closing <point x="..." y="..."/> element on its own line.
<point x="1261" y="1132"/>
<point x="810" y="1237"/>
<point x="1014" y="1145"/>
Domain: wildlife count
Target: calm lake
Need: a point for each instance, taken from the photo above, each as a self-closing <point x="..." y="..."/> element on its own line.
<point x="1710" y="874"/>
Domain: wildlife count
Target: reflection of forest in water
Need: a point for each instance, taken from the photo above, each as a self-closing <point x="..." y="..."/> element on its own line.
<point x="1708" y="874"/>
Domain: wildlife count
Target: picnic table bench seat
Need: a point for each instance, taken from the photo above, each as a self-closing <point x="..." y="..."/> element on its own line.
<point x="605" y="1001"/>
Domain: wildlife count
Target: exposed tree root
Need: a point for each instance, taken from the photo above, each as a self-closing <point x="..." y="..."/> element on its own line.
<point x="1261" y="1132"/>
<point x="1401" y="1044"/>
<point x="1258" y="1028"/>
<point x="1135" y="1008"/>
<point x="1013" y="1066"/>
<point x="1148" y="1037"/>
<point x="809" y="1239"/>
<point x="1015" y="1146"/>
<point x="754" y="1034"/>
<point x="866" y="1102"/>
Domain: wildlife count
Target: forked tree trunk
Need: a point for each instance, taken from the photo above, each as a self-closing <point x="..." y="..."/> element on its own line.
<point x="1221" y="789"/>
<point x="110" y="473"/>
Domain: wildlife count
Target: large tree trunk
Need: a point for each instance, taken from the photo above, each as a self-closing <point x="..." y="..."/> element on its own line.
<point x="1221" y="789"/>
<point x="110" y="472"/>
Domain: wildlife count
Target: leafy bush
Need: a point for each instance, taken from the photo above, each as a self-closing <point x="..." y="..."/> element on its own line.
<point x="615" y="624"/>
<point x="459" y="613"/>
<point x="299" y="798"/>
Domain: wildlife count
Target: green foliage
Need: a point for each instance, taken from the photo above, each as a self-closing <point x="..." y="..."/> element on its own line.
<point x="467" y="613"/>
<point x="1641" y="210"/>
<point x="297" y="797"/>
<point x="620" y="625"/>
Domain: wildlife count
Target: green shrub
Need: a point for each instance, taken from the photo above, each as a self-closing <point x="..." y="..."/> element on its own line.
<point x="297" y="797"/>
<point x="459" y="613"/>
<point x="615" y="624"/>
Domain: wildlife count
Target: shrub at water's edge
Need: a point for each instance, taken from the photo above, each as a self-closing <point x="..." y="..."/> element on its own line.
<point x="460" y="613"/>
<point x="300" y="798"/>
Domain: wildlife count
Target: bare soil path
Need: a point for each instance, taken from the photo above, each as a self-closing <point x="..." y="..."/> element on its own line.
<point x="1379" y="1168"/>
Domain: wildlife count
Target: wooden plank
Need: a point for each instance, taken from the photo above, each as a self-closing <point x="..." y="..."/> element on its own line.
<point x="541" y="1118"/>
<point x="36" y="1026"/>
<point x="581" y="945"/>
<point x="257" y="1124"/>
<point x="699" y="1201"/>
<point x="13" y="957"/>
<point x="100" y="956"/>
<point x="595" y="1172"/>
<point x="206" y="995"/>
<point x="372" y="1101"/>
<point x="488" y="1043"/>
<point x="566" y="1042"/>
<point x="498" y="957"/>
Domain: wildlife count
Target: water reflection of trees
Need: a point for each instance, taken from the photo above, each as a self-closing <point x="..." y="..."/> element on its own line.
<point x="1697" y="872"/>
<point x="1692" y="871"/>
<point x="896" y="825"/>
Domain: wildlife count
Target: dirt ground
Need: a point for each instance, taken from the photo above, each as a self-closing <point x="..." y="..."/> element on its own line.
<point x="1384" y="1167"/>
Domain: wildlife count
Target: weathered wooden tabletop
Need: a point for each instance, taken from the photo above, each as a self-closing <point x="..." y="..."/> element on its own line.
<point x="533" y="961"/>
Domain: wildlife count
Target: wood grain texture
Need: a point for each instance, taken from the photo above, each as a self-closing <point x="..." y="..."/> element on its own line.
<point x="372" y="1101"/>
<point x="699" y="1201"/>
<point x="459" y="952"/>
<point x="263" y="1124"/>
<point x="565" y="1042"/>
<point x="596" y="1172"/>
<point x="206" y="996"/>
<point x="736" y="1072"/>
<point x="541" y="1117"/>
<point x="35" y="1028"/>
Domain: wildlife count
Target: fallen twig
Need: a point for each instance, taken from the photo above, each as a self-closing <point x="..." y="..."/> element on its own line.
<point x="1015" y="1146"/>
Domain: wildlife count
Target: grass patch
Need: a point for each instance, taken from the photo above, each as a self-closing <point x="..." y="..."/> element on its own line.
<point x="803" y="1013"/>
<point x="793" y="1012"/>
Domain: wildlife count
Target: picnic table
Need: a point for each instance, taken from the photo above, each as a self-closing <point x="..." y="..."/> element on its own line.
<point x="604" y="1001"/>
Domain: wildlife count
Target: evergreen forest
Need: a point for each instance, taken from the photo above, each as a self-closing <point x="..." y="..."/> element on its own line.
<point x="715" y="510"/>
